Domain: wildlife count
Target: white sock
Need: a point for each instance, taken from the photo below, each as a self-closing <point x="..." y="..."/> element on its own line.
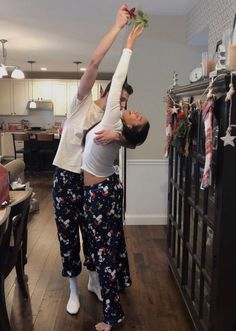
<point x="94" y="285"/>
<point x="73" y="304"/>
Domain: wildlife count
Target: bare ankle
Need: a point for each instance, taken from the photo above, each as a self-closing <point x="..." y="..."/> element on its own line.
<point x="103" y="327"/>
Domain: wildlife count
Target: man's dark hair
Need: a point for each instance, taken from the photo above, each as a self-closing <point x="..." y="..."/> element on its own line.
<point x="126" y="87"/>
<point x="137" y="134"/>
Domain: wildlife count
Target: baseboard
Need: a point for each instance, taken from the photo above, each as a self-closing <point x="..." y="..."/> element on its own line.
<point x="145" y="219"/>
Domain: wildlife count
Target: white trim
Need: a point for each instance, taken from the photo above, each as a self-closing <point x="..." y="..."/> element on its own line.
<point x="145" y="219"/>
<point x="147" y="162"/>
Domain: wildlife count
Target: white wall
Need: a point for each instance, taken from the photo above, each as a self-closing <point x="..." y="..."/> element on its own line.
<point x="213" y="16"/>
<point x="161" y="50"/>
<point x="146" y="192"/>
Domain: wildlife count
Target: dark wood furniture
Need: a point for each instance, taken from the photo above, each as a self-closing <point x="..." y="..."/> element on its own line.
<point x="46" y="150"/>
<point x="43" y="151"/>
<point x="13" y="249"/>
<point x="202" y="223"/>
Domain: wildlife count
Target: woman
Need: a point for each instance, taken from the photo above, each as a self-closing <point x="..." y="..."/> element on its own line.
<point x="102" y="226"/>
<point x="68" y="181"/>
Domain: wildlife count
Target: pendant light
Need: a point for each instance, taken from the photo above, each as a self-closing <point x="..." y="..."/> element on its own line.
<point x="32" y="104"/>
<point x="77" y="71"/>
<point x="17" y="73"/>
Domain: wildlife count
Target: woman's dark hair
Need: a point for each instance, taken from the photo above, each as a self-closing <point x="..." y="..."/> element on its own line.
<point x="126" y="87"/>
<point x="136" y="135"/>
<point x="86" y="132"/>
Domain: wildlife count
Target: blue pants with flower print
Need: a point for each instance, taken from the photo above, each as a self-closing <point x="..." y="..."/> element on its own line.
<point x="68" y="204"/>
<point x="105" y="242"/>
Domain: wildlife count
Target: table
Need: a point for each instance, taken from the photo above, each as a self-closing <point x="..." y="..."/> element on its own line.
<point x="18" y="196"/>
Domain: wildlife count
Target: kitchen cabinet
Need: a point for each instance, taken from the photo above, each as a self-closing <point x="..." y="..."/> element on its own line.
<point x="99" y="87"/>
<point x="72" y="87"/>
<point x="42" y="89"/>
<point x="6" y="97"/>
<point x="13" y="97"/>
<point x="59" y="98"/>
<point x="20" y="97"/>
<point x="201" y="222"/>
<point x="15" y="94"/>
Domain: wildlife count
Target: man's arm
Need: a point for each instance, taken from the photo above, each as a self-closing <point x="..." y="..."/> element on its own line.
<point x="89" y="77"/>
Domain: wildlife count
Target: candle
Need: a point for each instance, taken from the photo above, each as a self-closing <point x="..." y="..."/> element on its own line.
<point x="231" y="57"/>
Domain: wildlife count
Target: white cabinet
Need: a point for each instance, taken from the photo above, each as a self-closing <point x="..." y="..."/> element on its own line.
<point x="6" y="97"/>
<point x="72" y="88"/>
<point x="99" y="88"/>
<point x="42" y="89"/>
<point x="59" y="98"/>
<point x="13" y="97"/>
<point x="20" y="97"/>
<point x="15" y="94"/>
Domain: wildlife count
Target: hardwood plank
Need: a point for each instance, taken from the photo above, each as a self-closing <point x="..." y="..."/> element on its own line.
<point x="152" y="303"/>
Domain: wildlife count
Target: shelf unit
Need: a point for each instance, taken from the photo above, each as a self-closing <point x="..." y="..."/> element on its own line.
<point x="202" y="223"/>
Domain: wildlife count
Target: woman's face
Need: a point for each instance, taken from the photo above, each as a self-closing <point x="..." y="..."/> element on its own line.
<point x="133" y="118"/>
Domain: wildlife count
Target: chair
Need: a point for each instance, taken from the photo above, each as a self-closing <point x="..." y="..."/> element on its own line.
<point x="26" y="150"/>
<point x="13" y="252"/>
<point x="47" y="149"/>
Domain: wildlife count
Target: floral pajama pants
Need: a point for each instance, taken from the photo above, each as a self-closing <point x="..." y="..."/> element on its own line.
<point x="68" y="204"/>
<point x="105" y="243"/>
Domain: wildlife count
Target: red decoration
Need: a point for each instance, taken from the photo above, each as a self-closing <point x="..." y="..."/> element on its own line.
<point x="131" y="12"/>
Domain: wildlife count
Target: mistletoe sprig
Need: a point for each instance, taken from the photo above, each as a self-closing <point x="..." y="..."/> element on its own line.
<point x="138" y="17"/>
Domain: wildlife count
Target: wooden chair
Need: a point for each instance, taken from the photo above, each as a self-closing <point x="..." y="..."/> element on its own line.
<point x="13" y="252"/>
<point x="46" y="149"/>
<point x="4" y="242"/>
<point x="26" y="150"/>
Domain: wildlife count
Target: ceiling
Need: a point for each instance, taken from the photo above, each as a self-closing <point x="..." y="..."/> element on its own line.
<point x="54" y="33"/>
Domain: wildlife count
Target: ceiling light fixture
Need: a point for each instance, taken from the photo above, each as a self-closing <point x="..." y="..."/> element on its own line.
<point x="77" y="70"/>
<point x="32" y="103"/>
<point x="17" y="73"/>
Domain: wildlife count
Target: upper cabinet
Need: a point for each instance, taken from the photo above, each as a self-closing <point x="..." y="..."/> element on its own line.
<point x="72" y="87"/>
<point x="6" y="97"/>
<point x="42" y="89"/>
<point x="59" y="98"/>
<point x="20" y="97"/>
<point x="15" y="94"/>
<point x="13" y="97"/>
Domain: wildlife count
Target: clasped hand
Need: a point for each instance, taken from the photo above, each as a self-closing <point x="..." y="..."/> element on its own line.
<point x="105" y="137"/>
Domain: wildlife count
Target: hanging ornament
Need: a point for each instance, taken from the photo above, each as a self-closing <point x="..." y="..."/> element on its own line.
<point x="228" y="139"/>
<point x="174" y="110"/>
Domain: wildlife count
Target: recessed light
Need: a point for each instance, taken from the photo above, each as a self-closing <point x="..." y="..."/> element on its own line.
<point x="82" y="69"/>
<point x="44" y="69"/>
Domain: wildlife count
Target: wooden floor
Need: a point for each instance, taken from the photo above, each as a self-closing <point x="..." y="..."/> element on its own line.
<point x="153" y="303"/>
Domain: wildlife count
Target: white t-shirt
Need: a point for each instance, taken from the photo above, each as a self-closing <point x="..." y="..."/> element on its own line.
<point x="98" y="159"/>
<point x="83" y="114"/>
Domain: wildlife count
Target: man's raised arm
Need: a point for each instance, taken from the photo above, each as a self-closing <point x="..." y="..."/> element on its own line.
<point x="89" y="77"/>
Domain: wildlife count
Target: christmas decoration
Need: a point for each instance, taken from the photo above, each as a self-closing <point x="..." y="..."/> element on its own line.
<point x="138" y="17"/>
<point x="207" y="116"/>
<point x="228" y="139"/>
<point x="181" y="130"/>
<point x="168" y="126"/>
